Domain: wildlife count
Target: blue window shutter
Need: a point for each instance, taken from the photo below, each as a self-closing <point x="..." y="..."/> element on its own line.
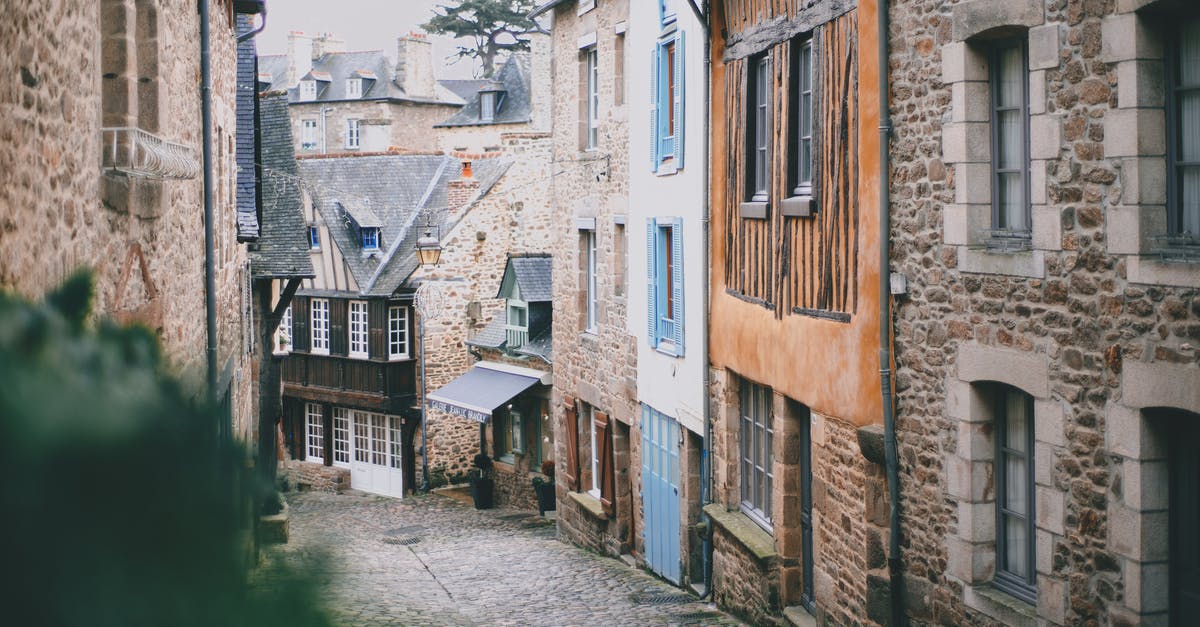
<point x="666" y="145"/>
<point x="679" y="99"/>
<point x="662" y="11"/>
<point x="651" y="284"/>
<point x="653" y="139"/>
<point x="677" y="282"/>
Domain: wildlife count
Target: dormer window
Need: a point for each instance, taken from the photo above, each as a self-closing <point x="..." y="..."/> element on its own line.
<point x="370" y="238"/>
<point x="354" y="88"/>
<point x="517" y="324"/>
<point x="490" y="99"/>
<point x="308" y="90"/>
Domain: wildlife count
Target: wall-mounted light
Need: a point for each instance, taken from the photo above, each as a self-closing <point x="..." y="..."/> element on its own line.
<point x="429" y="248"/>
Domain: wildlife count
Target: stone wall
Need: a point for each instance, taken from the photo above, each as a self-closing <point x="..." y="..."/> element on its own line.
<point x="1088" y="322"/>
<point x="309" y="476"/>
<point x="143" y="238"/>
<point x="512" y="217"/>
<point x="598" y="368"/>
<point x="409" y="124"/>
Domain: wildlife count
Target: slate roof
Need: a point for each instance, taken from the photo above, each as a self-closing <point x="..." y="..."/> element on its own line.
<point x="248" y="219"/>
<point x="545" y="6"/>
<point x="336" y="67"/>
<point x="532" y="273"/>
<point x="493" y="335"/>
<point x="464" y="88"/>
<point x="515" y="107"/>
<point x="282" y="250"/>
<point x="398" y="189"/>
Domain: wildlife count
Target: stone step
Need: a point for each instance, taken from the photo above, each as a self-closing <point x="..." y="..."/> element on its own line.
<point x="799" y="617"/>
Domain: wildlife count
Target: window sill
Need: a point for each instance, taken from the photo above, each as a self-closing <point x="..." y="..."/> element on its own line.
<point x="1152" y="270"/>
<point x="999" y="605"/>
<point x="666" y="167"/>
<point x="754" y="210"/>
<point x="589" y="504"/>
<point x="797" y="207"/>
<point x="666" y="347"/>
<point x="745" y="531"/>
<point x="1026" y="263"/>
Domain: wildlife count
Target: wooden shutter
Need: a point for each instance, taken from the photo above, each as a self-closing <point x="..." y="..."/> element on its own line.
<point x="651" y="283"/>
<point x="676" y="286"/>
<point x="607" y="479"/>
<point x="301" y="339"/>
<point x="338" y="338"/>
<point x="678" y="104"/>
<point x="377" y="323"/>
<point x="571" y="428"/>
<point x="655" y="137"/>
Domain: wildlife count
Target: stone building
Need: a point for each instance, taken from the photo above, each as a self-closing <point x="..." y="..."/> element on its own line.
<point x="798" y="520"/>
<point x="595" y="359"/>
<point x="361" y="101"/>
<point x="101" y="163"/>
<point x="1044" y="214"/>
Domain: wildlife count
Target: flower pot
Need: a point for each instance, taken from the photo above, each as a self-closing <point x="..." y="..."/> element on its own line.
<point x="483" y="492"/>
<point x="545" y="497"/>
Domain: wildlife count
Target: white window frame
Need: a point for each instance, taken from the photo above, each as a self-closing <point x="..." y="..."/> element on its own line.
<point x="354" y="88"/>
<point x="314" y="237"/>
<point x="283" y="334"/>
<point x="308" y="90"/>
<point x="341" y="437"/>
<point x="319" y="322"/>
<point x="352" y="133"/>
<point x="516" y="426"/>
<point x="805" y="124"/>
<point x="487" y="106"/>
<point x="589" y="249"/>
<point x="757" y="475"/>
<point x="592" y="59"/>
<point x="308" y="135"/>
<point x="595" y="488"/>
<point x="397" y="332"/>
<point x="513" y="330"/>
<point x="314" y="434"/>
<point x="357" y="329"/>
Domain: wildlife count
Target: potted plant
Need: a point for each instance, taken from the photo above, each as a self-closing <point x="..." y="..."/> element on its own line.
<point x="482" y="485"/>
<point x="543" y="487"/>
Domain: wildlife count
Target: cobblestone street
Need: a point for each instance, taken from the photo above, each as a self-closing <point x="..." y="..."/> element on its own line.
<point x="432" y="560"/>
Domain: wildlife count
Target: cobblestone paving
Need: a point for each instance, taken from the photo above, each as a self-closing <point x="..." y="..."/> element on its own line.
<point x="432" y="560"/>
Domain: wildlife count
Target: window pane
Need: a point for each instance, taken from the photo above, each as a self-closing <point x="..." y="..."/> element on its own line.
<point x="1016" y="547"/>
<point x="1016" y="485"/>
<point x="1189" y="54"/>
<point x="1190" y="199"/>
<point x="1010" y="139"/>
<point x="1009" y="77"/>
<point x="1017" y="423"/>
<point x="1010" y="197"/>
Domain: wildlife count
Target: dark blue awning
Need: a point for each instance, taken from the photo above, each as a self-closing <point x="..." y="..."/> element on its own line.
<point x="476" y="394"/>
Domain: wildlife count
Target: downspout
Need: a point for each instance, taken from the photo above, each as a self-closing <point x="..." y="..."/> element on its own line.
<point x="210" y="281"/>
<point x="706" y="406"/>
<point x="891" y="462"/>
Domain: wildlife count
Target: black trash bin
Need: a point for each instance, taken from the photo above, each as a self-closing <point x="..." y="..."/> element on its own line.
<point x="483" y="492"/>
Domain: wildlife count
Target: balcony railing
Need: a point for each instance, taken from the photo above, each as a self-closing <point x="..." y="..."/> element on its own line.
<point x="135" y="152"/>
<point x="666" y="329"/>
<point x="516" y="337"/>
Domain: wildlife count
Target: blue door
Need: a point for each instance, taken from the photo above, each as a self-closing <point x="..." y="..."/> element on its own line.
<point x="660" y="492"/>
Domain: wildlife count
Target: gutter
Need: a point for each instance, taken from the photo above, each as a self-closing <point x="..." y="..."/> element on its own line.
<point x="706" y="413"/>
<point x="210" y="285"/>
<point x="891" y="462"/>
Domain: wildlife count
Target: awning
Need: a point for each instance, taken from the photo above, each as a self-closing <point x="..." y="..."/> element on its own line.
<point x="476" y="394"/>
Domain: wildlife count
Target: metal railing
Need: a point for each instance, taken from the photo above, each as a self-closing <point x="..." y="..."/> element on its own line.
<point x="1006" y="240"/>
<point x="1183" y="247"/>
<point x="135" y="152"/>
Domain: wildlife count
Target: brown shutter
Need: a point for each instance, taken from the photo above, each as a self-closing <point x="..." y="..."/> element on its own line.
<point x="338" y="340"/>
<point x="377" y="321"/>
<point x="301" y="338"/>
<point x="607" y="480"/>
<point x="571" y="472"/>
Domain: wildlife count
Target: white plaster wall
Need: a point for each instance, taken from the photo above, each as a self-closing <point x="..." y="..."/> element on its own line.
<point x="672" y="385"/>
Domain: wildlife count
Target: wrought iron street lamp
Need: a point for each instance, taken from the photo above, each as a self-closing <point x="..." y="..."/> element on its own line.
<point x="429" y="303"/>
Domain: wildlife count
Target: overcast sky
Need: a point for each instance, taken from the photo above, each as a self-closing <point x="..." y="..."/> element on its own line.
<point x="363" y="24"/>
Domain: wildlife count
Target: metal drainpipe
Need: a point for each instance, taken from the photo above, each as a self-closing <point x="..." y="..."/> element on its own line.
<point x="891" y="462"/>
<point x="706" y="411"/>
<point x="210" y="281"/>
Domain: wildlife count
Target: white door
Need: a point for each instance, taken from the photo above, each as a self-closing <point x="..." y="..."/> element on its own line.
<point x="377" y="464"/>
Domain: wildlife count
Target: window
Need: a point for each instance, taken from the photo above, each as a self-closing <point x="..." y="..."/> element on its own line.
<point x="804" y="120"/>
<point x="619" y="262"/>
<point x="397" y="332"/>
<point x="358" y="329"/>
<point x="370" y="237"/>
<point x="664" y="284"/>
<point x="352" y="133"/>
<point x="315" y="431"/>
<point x="666" y="12"/>
<point x="758" y="129"/>
<point x="1010" y="146"/>
<point x="283" y="335"/>
<point x="1183" y="136"/>
<point x="516" y="324"/>
<point x="545" y="447"/>
<point x="1014" y="494"/>
<point x="593" y="98"/>
<point x="308" y="135"/>
<point x="666" y="107"/>
<point x="341" y="436"/>
<point x="597" y="437"/>
<point x="516" y="431"/>
<point x="757" y="457"/>
<point x="354" y="88"/>
<point x="487" y="106"/>
<point x="314" y="238"/>
<point x="308" y="90"/>
<point x="588" y="252"/>
<point x="320" y="326"/>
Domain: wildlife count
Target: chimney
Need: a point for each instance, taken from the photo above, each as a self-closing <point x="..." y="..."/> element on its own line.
<point x="326" y="43"/>
<point x="540" y="88"/>
<point x="299" y="56"/>
<point x="414" y="66"/>
<point x="460" y="192"/>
